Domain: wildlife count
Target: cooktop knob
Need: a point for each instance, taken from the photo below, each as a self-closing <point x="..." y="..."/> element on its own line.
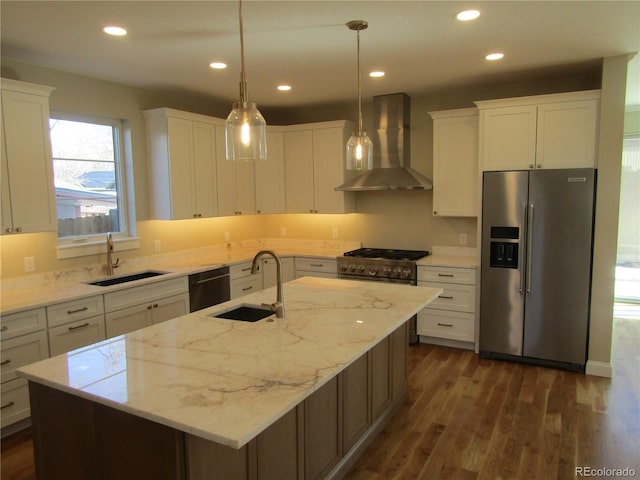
<point x="361" y="268"/>
<point x="397" y="272"/>
<point x="406" y="273"/>
<point x="373" y="271"/>
<point x="343" y="267"/>
<point x="352" y="268"/>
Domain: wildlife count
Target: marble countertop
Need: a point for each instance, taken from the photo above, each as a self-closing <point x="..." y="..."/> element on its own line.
<point x="227" y="381"/>
<point x="61" y="287"/>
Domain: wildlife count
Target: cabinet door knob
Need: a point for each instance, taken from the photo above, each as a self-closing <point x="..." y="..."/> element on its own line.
<point x="9" y="230"/>
<point x="435" y="213"/>
<point x="539" y="165"/>
<point x="18" y="229"/>
<point x="531" y="165"/>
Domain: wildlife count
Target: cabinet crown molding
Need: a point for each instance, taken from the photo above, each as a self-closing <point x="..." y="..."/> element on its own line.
<point x="539" y="99"/>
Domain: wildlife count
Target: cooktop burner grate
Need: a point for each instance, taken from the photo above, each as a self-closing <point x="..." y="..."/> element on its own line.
<point x="387" y="254"/>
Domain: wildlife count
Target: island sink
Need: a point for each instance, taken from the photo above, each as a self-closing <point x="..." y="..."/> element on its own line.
<point x="244" y="313"/>
<point x="125" y="278"/>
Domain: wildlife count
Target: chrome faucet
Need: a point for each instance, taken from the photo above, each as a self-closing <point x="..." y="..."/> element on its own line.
<point x="277" y="307"/>
<point x="110" y="264"/>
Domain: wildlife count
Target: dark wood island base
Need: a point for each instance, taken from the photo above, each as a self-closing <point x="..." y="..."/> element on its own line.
<point x="322" y="437"/>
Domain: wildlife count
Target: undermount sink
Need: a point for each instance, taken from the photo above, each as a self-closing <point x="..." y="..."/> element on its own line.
<point x="244" y="313"/>
<point x="126" y="278"/>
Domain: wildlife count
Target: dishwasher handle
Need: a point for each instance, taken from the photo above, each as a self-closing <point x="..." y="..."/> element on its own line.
<point x="211" y="279"/>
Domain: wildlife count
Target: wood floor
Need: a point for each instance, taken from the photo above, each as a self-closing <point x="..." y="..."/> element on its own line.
<point x="468" y="418"/>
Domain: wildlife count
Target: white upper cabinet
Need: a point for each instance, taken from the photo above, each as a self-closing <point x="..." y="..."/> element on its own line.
<point x="455" y="162"/>
<point x="236" y="181"/>
<point x="546" y="131"/>
<point x="314" y="166"/>
<point x="28" y="198"/>
<point x="270" y="194"/>
<point x="182" y="162"/>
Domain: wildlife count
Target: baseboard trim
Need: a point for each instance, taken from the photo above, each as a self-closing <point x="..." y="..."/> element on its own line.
<point x="599" y="369"/>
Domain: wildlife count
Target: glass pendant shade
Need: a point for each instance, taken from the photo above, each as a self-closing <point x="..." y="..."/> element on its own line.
<point x="359" y="152"/>
<point x="246" y="133"/>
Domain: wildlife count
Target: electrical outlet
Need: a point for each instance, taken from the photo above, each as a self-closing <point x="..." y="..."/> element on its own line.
<point x="227" y="236"/>
<point x="462" y="239"/>
<point x="157" y="246"/>
<point x="29" y="264"/>
<point x="334" y="232"/>
<point x="283" y="231"/>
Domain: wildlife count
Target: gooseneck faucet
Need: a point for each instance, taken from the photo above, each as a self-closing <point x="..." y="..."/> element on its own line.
<point x="277" y="307"/>
<point x="110" y="264"/>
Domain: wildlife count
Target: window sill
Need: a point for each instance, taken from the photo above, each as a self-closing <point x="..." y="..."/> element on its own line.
<point x="94" y="248"/>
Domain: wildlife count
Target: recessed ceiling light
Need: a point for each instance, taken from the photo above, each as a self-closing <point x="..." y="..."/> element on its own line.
<point x="218" y="65"/>
<point x="284" y="88"/>
<point x="114" y="30"/>
<point x="495" y="56"/>
<point x="376" y="74"/>
<point x="467" y="15"/>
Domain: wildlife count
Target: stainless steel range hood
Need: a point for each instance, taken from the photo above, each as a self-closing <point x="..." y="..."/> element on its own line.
<point x="391" y="150"/>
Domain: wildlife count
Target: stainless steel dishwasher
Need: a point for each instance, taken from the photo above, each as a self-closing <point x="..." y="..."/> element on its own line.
<point x="209" y="288"/>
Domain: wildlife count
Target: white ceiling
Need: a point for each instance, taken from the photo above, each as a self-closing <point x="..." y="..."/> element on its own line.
<point x="419" y="44"/>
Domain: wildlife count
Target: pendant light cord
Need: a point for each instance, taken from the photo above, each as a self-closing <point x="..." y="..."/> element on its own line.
<point x="359" y="94"/>
<point x="243" y="76"/>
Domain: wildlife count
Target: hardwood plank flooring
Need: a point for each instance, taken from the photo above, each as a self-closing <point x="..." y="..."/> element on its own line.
<point x="478" y="419"/>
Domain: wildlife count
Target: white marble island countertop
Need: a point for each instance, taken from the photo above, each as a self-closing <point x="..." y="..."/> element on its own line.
<point x="226" y="380"/>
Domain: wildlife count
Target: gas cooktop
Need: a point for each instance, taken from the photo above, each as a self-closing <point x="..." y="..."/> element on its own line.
<point x="387" y="254"/>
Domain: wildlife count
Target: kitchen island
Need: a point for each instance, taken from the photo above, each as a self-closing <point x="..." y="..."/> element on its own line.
<point x="204" y="397"/>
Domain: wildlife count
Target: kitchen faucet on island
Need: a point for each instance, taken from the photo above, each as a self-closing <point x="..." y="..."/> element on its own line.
<point x="110" y="264"/>
<point x="277" y="307"/>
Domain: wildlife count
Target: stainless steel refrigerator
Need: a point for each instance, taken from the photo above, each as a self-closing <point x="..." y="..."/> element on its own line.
<point x="537" y="236"/>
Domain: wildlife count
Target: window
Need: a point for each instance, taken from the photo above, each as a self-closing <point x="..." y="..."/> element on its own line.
<point x="87" y="166"/>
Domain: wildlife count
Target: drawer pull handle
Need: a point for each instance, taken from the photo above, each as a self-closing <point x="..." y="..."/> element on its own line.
<point x="445" y="324"/>
<point x="446" y="275"/>
<point x="7" y="405"/>
<point x="247" y="288"/>
<point x="6" y="362"/>
<point x="246" y="269"/>
<point x="83" y="309"/>
<point x="446" y="297"/>
<point x="86" y="324"/>
<point x="4" y="328"/>
<point x="317" y="264"/>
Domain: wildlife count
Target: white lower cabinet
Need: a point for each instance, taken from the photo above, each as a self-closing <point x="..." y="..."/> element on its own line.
<point x="242" y="281"/>
<point x="451" y="316"/>
<point x="140" y="316"/>
<point x="76" y="334"/>
<point x="17" y="351"/>
<point x="316" y="267"/>
<point x="138" y="307"/>
<point x="75" y="324"/>
<point x="270" y="271"/>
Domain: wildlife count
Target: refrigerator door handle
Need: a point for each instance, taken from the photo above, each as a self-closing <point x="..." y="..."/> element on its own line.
<point x="522" y="250"/>
<point x="529" y="246"/>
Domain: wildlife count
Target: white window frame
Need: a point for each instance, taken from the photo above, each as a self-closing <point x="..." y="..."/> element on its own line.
<point x="71" y="247"/>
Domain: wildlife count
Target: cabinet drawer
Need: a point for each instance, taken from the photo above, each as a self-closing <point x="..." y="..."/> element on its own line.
<point x="145" y="293"/>
<point x="460" y="298"/>
<point x="21" y="351"/>
<point x="14" y="404"/>
<point x="465" y="276"/>
<point x="75" y="310"/>
<point x="23" y="322"/>
<point x="76" y="335"/>
<point x="245" y="286"/>
<point x="326" y="265"/>
<point x="445" y="324"/>
<point x="240" y="270"/>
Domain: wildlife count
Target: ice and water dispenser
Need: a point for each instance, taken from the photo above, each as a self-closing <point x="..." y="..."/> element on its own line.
<point x="504" y="247"/>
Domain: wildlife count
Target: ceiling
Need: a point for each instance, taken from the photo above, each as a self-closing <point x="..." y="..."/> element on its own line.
<point x="419" y="44"/>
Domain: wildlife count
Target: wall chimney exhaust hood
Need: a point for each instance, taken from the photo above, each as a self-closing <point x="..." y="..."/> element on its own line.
<point x="391" y="150"/>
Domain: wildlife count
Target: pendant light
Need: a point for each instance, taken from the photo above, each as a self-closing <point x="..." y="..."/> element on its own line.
<point x="245" y="128"/>
<point x="359" y="146"/>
